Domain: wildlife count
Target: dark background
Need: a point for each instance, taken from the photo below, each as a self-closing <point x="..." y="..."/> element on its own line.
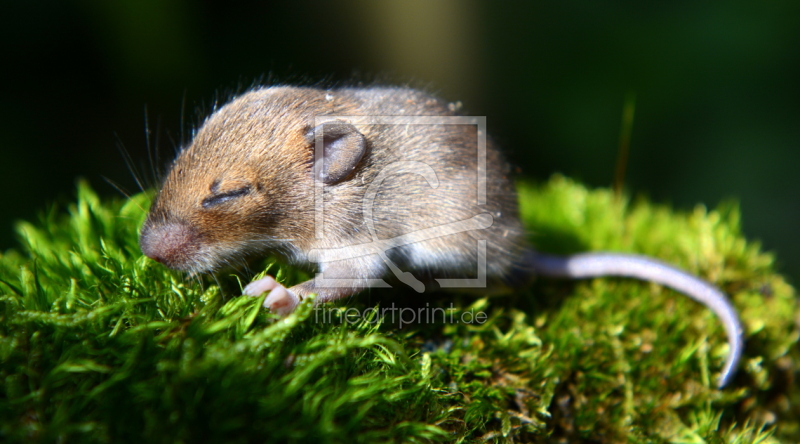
<point x="717" y="88"/>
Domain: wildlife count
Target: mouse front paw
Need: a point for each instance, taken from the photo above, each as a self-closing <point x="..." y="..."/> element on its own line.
<point x="280" y="300"/>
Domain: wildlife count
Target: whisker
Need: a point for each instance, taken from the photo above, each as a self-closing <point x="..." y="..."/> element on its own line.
<point x="148" y="145"/>
<point x="216" y="279"/>
<point x="118" y="187"/>
<point x="126" y="157"/>
<point x="182" y="138"/>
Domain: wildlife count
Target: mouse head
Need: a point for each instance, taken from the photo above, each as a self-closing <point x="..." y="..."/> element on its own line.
<point x="246" y="182"/>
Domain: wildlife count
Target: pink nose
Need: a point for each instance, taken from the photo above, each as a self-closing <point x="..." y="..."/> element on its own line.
<point x="172" y="244"/>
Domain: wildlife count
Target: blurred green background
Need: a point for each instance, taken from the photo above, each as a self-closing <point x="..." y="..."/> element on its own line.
<point x="717" y="88"/>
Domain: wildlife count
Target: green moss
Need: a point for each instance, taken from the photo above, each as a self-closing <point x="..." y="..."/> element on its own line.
<point x="99" y="344"/>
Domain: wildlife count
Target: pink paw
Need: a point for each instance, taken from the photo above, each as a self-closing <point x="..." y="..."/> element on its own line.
<point x="280" y="300"/>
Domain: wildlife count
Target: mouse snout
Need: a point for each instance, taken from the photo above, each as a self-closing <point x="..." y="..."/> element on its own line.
<point x="172" y="244"/>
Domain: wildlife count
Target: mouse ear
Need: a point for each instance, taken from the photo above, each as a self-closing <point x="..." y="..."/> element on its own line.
<point x="343" y="146"/>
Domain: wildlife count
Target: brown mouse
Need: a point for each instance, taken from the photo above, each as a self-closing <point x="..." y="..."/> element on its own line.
<point x="369" y="184"/>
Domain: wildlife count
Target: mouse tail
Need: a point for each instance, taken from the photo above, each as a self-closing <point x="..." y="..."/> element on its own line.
<point x="592" y="265"/>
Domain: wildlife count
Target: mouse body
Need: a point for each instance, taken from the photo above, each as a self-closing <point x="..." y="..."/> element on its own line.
<point x="369" y="185"/>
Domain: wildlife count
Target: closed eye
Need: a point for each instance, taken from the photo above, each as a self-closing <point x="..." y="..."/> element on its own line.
<point x="219" y="198"/>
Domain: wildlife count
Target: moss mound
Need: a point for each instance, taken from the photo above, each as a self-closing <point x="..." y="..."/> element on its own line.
<point x="99" y="344"/>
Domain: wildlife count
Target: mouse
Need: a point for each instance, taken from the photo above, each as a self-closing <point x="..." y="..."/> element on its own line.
<point x="370" y="187"/>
